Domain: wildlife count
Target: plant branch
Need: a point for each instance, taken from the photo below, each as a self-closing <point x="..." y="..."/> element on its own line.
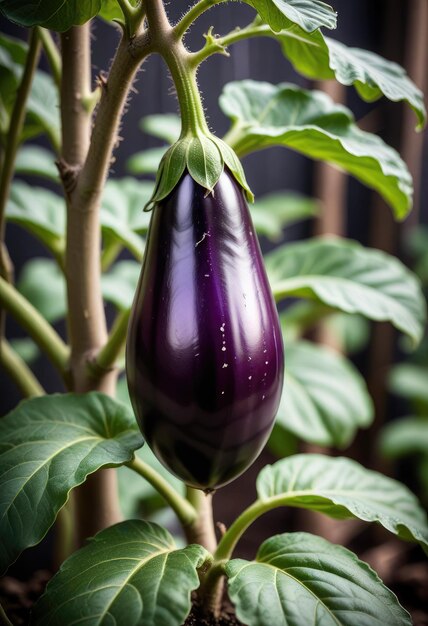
<point x="185" y="512"/>
<point x="51" y="50"/>
<point x="15" y="129"/>
<point x="36" y="325"/>
<point x="202" y="529"/>
<point x="19" y="371"/>
<point x="133" y="16"/>
<point x="106" y="357"/>
<point x="192" y="14"/>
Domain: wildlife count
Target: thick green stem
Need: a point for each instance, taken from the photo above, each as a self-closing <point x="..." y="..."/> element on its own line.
<point x="192" y="15"/>
<point x="185" y="512"/>
<point x="52" y="54"/>
<point x="202" y="529"/>
<point x="19" y="371"/>
<point x="36" y="325"/>
<point x="106" y="358"/>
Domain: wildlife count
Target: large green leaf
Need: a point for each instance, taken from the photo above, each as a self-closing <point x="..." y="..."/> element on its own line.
<point x="122" y="215"/>
<point x="49" y="445"/>
<point x="36" y="161"/>
<point x="39" y="211"/>
<point x="42" y="104"/>
<point x="319" y="57"/>
<point x="307" y="14"/>
<point x="42" y="283"/>
<point x="266" y="115"/>
<point x="57" y="15"/>
<point x="131" y="573"/>
<point x="343" y="489"/>
<point x="406" y="436"/>
<point x="324" y="399"/>
<point x="271" y="213"/>
<point x="346" y="276"/>
<point x="298" y="579"/>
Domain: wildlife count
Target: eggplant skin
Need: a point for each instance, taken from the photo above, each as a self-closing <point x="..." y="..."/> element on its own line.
<point x="204" y="357"/>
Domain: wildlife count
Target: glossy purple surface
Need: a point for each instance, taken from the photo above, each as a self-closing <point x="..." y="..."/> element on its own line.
<point x="204" y="349"/>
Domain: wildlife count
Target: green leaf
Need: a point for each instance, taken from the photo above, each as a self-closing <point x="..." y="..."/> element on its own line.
<point x="324" y="399"/>
<point x="410" y="381"/>
<point x="322" y="58"/>
<point x="405" y="436"/>
<point x="57" y="15"/>
<point x="122" y="216"/>
<point x="165" y="126"/>
<point x="36" y="161"/>
<point x="131" y="573"/>
<point x="26" y="349"/>
<point x="299" y="578"/>
<point x="346" y="276"/>
<point x="343" y="489"/>
<point x="39" y="211"/>
<point x="146" y="162"/>
<point x="110" y="10"/>
<point x="352" y="331"/>
<point x="120" y="283"/>
<point x="42" y="283"/>
<point x="48" y="446"/>
<point x="307" y="14"/>
<point x="266" y="115"/>
<point x="417" y="246"/>
<point x="42" y="105"/>
<point x="275" y="211"/>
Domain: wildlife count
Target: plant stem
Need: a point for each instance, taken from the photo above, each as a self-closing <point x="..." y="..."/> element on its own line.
<point x="108" y="354"/>
<point x="219" y="44"/>
<point x="202" y="529"/>
<point x="36" y="325"/>
<point x="185" y="512"/>
<point x="19" y="371"/>
<point x="196" y="11"/>
<point x="4" y="618"/>
<point x="51" y="50"/>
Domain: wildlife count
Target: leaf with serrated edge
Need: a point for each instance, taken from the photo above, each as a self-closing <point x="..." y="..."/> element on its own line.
<point x="324" y="399"/>
<point x="48" y="446"/>
<point x="131" y="573"/>
<point x="344" y="275"/>
<point x="343" y="489"/>
<point x="299" y="578"/>
<point x="266" y="115"/>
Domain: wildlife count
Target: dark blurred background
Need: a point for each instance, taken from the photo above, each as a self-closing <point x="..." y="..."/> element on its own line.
<point x="396" y="29"/>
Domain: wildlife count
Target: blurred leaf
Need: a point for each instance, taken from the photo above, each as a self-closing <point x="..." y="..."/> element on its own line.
<point x="298" y="578"/>
<point x="26" y="349"/>
<point x="54" y="14"/>
<point x="342" y="489"/>
<point x="409" y="381"/>
<point x="39" y="211"/>
<point x="405" y="436"/>
<point x="307" y="14"/>
<point x="282" y="442"/>
<point x="120" y="283"/>
<point x="266" y="115"/>
<point x="36" y="161"/>
<point x="324" y="399"/>
<point x="122" y="216"/>
<point x="273" y="212"/>
<point x="165" y="126"/>
<point x="344" y="275"/>
<point x="417" y="246"/>
<point x="352" y="331"/>
<point x="42" y="283"/>
<point x="322" y="58"/>
<point x="48" y="446"/>
<point x="146" y="162"/>
<point x="131" y="573"/>
<point x="300" y="316"/>
<point x="42" y="104"/>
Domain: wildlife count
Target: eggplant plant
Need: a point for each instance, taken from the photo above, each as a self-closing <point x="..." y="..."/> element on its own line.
<point x="204" y="358"/>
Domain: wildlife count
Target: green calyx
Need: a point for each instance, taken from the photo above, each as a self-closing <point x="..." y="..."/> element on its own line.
<point x="204" y="156"/>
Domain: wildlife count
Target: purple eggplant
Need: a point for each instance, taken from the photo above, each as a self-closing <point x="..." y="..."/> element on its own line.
<point x="204" y="356"/>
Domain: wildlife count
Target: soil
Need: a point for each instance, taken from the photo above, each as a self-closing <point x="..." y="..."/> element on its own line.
<point x="226" y="618"/>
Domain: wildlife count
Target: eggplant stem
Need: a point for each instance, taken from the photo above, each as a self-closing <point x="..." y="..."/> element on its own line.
<point x="185" y="512"/>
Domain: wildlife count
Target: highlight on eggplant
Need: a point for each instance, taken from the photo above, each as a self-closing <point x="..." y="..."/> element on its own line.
<point x="204" y="357"/>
